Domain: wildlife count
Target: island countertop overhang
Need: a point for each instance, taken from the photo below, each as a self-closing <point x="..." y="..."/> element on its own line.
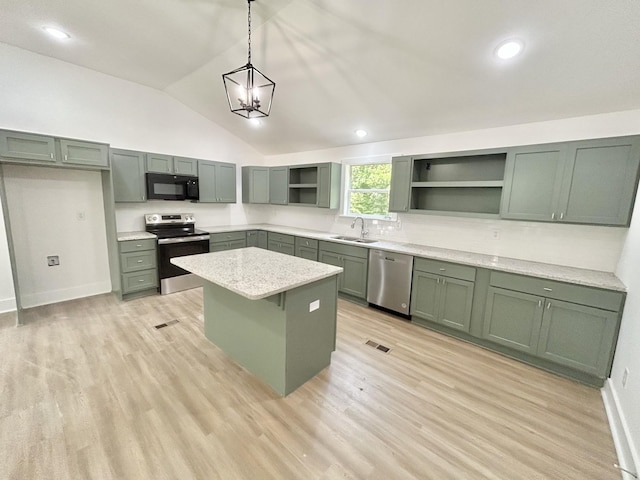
<point x="255" y="273"/>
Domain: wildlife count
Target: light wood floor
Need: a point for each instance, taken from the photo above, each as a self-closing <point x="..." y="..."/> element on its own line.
<point x="90" y="390"/>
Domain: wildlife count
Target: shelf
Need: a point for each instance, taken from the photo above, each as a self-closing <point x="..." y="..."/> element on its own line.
<point x="460" y="184"/>
<point x="303" y="185"/>
<point x="303" y="196"/>
<point x="475" y="200"/>
<point x="303" y="175"/>
<point x="475" y="168"/>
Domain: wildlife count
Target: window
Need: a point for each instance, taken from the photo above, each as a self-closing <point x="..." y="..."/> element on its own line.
<point x="367" y="189"/>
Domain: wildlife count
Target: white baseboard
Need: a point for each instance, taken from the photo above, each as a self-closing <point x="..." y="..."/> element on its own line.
<point x="619" y="430"/>
<point x="7" y="305"/>
<point x="62" y="295"/>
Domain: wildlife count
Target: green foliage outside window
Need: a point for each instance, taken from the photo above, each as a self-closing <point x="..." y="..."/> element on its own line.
<point x="375" y="177"/>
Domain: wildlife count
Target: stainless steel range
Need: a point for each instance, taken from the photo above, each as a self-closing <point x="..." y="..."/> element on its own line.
<point x="177" y="237"/>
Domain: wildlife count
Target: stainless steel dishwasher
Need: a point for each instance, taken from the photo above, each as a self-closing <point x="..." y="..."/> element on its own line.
<point x="390" y="280"/>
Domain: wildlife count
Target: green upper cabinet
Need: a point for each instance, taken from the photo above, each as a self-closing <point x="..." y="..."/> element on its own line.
<point x="217" y="182"/>
<point x="600" y="183"/>
<point x="329" y="176"/>
<point x="400" y="184"/>
<point x="84" y="153"/>
<point x="255" y="184"/>
<point x="158" y="163"/>
<point x="589" y="182"/>
<point x="279" y="185"/>
<point x="127" y="172"/>
<point x="533" y="179"/>
<point x="26" y="146"/>
<point x="185" y="166"/>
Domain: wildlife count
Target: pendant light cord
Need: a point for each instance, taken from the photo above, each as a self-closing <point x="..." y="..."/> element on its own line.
<point x="249" y="24"/>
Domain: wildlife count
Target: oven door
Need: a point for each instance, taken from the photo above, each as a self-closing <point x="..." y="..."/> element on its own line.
<point x="169" y="248"/>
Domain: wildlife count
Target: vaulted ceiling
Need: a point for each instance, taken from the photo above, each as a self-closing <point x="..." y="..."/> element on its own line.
<point x="398" y="69"/>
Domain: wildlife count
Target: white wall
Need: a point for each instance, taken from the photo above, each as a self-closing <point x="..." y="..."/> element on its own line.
<point x="42" y="95"/>
<point x="590" y="247"/>
<point x="45" y="205"/>
<point x="627" y="352"/>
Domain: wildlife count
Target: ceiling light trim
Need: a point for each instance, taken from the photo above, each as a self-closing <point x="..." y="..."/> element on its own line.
<point x="509" y="49"/>
<point x="56" y="32"/>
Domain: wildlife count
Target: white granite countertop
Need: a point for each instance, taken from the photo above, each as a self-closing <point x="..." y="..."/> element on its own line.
<point x="578" y="276"/>
<point x="124" y="236"/>
<point x="255" y="273"/>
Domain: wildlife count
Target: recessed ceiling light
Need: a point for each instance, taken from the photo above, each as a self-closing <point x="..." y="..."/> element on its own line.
<point x="509" y="49"/>
<point x="56" y="33"/>
<point x="361" y="133"/>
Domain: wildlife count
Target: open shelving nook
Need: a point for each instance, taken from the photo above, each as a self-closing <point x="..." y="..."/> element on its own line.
<point x="303" y="185"/>
<point x="460" y="184"/>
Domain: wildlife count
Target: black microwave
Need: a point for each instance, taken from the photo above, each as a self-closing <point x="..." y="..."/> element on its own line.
<point x="164" y="186"/>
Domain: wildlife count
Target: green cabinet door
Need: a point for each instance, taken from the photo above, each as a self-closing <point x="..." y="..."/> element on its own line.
<point x="127" y="172"/>
<point x="255" y="184"/>
<point x="207" y="181"/>
<point x="307" y="252"/>
<point x="252" y="238"/>
<point x="329" y="185"/>
<point x="84" y="153"/>
<point x="400" y="184"/>
<point x="225" y="181"/>
<point x="26" y="146"/>
<point x="600" y="181"/>
<point x="424" y="296"/>
<point x="513" y="319"/>
<point x="454" y="303"/>
<point x="158" y="163"/>
<point x="354" y="277"/>
<point x="578" y="336"/>
<point x="185" y="166"/>
<point x="334" y="259"/>
<point x="533" y="181"/>
<point x="279" y="185"/>
<point x="262" y="239"/>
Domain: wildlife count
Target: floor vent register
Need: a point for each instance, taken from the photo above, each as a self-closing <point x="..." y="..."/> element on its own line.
<point x="162" y="325"/>
<point x="377" y="346"/>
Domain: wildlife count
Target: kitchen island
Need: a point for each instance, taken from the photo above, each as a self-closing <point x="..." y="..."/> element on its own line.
<point x="274" y="314"/>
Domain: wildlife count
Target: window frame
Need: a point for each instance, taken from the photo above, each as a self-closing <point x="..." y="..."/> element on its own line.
<point x="346" y="181"/>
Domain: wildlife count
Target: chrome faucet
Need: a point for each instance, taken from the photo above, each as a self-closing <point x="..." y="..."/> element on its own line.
<point x="363" y="231"/>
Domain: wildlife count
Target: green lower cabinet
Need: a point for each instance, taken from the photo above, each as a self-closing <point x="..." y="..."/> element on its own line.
<point x="513" y="319"/>
<point x="307" y="252"/>
<point x="138" y="267"/>
<point x="353" y="280"/>
<point x="220" y="242"/>
<point x="577" y="336"/>
<point x="442" y="300"/>
<point x="280" y="247"/>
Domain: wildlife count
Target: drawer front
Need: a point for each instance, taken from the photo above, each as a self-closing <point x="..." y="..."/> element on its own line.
<point x="137" y="245"/>
<point x="306" y="242"/>
<point x="227" y="236"/>
<point x="445" y="269"/>
<point x="281" y="238"/>
<point x="134" y="261"/>
<point x="593" y="297"/>
<point x="133" y="282"/>
<point x="341" y="249"/>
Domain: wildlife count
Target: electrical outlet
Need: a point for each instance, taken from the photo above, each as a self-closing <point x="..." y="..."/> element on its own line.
<point x="53" y="260"/>
<point x="625" y="376"/>
<point x="81" y="216"/>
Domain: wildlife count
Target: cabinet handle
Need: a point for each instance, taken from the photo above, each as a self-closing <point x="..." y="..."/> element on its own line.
<point x="443" y="269"/>
<point x="553" y="216"/>
<point x="546" y="289"/>
<point x="438" y="280"/>
<point x="141" y="280"/>
<point x="561" y="215"/>
<point x="138" y="245"/>
<point x="51" y="155"/>
<point x="444" y="281"/>
<point x="66" y="157"/>
<point x="548" y="305"/>
<point x="139" y="261"/>
<point x="539" y="303"/>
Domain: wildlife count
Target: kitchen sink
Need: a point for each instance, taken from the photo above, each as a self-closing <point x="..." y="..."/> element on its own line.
<point x="354" y="239"/>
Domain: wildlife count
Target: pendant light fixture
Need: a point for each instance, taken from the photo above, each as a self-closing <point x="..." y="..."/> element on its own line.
<point x="249" y="91"/>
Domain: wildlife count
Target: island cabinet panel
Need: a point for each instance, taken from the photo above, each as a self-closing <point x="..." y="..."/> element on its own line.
<point x="127" y="173"/>
<point x="307" y="248"/>
<point x="89" y="154"/>
<point x="355" y="263"/>
<point x="569" y="325"/>
<point x="217" y="182"/>
<point x="442" y="293"/>
<point x="27" y="146"/>
<point x="255" y="184"/>
<point x="587" y="182"/>
<point x="279" y="185"/>
<point x="400" y="184"/>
